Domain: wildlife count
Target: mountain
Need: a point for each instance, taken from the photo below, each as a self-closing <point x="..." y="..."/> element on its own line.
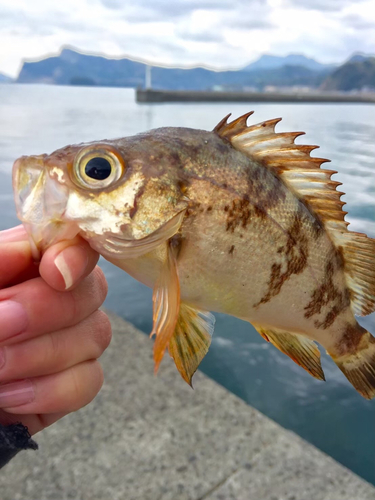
<point x="74" y="68"/>
<point x="359" y="57"/>
<point x="70" y="67"/>
<point x="5" y="78"/>
<point x="273" y="62"/>
<point x="356" y="74"/>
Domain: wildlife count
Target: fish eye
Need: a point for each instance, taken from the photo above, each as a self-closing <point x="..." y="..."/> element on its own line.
<point x="97" y="168"/>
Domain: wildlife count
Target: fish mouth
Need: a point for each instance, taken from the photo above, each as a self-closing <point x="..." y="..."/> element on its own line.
<point x="40" y="204"/>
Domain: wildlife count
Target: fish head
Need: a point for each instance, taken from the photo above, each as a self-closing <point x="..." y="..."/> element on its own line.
<point x="109" y="192"/>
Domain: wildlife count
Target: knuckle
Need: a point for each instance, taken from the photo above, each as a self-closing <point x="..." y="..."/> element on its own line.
<point x="90" y="294"/>
<point x="86" y="383"/>
<point x="99" y="377"/>
<point x="102" y="330"/>
<point x="56" y="347"/>
<point x="77" y="388"/>
<point x="101" y="283"/>
<point x="35" y="292"/>
<point x="73" y="306"/>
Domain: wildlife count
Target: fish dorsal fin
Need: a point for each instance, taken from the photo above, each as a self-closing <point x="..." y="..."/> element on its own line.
<point x="302" y="175"/>
<point x="292" y="162"/>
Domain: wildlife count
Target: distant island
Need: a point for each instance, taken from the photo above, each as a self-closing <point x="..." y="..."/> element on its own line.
<point x="5" y="78"/>
<point x="357" y="74"/>
<point x="292" y="73"/>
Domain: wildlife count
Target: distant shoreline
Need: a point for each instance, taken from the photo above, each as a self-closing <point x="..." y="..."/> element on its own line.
<point x="158" y="96"/>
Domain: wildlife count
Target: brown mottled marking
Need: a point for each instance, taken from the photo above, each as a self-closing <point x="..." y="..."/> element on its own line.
<point x="295" y="254"/>
<point x="183" y="186"/>
<point x="340" y="257"/>
<point x="329" y="319"/>
<point x="317" y="227"/>
<point x="134" y="209"/>
<point x="194" y="208"/>
<point x="325" y="294"/>
<point x="275" y="283"/>
<point x="267" y="191"/>
<point x="175" y="157"/>
<point x="231" y="250"/>
<point x="209" y="208"/>
<point x="238" y="214"/>
<point x="260" y="212"/>
<point x="350" y="339"/>
<point x="176" y="243"/>
<point x="257" y="175"/>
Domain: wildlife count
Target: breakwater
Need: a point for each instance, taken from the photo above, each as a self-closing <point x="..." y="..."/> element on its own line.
<point x="157" y="96"/>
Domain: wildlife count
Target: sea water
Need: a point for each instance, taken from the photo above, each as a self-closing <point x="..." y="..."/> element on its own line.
<point x="38" y="119"/>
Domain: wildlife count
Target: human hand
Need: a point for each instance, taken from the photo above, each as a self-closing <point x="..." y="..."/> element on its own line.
<point x="51" y="331"/>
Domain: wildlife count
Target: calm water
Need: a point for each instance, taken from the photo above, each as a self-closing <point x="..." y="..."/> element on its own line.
<point x="331" y="415"/>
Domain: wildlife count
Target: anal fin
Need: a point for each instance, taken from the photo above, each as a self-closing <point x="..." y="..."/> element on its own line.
<point x="191" y="340"/>
<point x="301" y="350"/>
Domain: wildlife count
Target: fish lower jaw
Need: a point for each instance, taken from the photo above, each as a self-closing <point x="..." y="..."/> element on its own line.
<point x="43" y="236"/>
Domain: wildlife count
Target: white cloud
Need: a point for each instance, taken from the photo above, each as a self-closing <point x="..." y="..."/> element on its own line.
<point x="214" y="33"/>
<point x="319" y="5"/>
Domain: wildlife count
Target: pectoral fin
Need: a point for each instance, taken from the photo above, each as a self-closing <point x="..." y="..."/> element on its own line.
<point x="301" y="350"/>
<point x="166" y="305"/>
<point x="191" y="340"/>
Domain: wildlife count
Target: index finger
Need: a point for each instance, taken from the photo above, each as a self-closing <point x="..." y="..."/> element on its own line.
<point x="16" y="263"/>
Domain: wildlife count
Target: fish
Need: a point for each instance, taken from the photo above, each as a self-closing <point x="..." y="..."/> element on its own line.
<point x="240" y="220"/>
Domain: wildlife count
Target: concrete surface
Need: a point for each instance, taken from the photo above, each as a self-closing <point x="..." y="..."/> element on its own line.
<point x="147" y="438"/>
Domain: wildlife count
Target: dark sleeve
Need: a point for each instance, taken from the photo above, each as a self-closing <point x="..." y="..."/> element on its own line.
<point x="14" y="438"/>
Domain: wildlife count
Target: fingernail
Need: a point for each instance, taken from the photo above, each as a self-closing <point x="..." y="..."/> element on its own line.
<point x="71" y="263"/>
<point x="63" y="267"/>
<point x="13" y="319"/>
<point x="17" y="233"/>
<point x="16" y="394"/>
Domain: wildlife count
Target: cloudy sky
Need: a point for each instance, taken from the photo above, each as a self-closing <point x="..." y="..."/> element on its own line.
<point x="213" y="33"/>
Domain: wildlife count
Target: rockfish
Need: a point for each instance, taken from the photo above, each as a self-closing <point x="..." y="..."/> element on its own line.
<point x="240" y="220"/>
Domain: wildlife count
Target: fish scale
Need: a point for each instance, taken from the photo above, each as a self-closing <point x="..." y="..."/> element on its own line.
<point x="240" y="220"/>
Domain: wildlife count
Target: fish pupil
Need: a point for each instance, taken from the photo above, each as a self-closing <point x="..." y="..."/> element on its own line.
<point x="98" y="168"/>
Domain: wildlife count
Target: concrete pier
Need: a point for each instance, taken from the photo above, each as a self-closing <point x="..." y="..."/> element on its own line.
<point x="155" y="96"/>
<point x="154" y="438"/>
